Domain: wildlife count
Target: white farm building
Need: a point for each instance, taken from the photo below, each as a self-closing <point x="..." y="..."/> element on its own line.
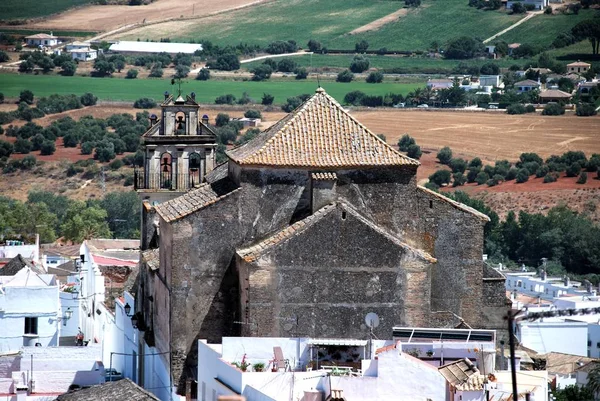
<point x="134" y="47"/>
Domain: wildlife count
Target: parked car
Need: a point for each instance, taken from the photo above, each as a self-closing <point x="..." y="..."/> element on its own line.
<point x="112" y="375"/>
<point x="423" y="106"/>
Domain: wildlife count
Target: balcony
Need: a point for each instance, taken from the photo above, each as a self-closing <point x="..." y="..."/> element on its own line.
<point x="166" y="181"/>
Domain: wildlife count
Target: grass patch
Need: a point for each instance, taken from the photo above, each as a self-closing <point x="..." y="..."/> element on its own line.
<point x="206" y="91"/>
<point x="17" y="9"/>
<point x="330" y="22"/>
<point x="578" y="51"/>
<point x="542" y="29"/>
<point x="395" y="64"/>
<point x="27" y="32"/>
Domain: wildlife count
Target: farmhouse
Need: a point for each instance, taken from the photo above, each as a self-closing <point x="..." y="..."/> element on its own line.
<point x="84" y="54"/>
<point x="439" y="83"/>
<point x="586" y="88"/>
<point x="527" y="85"/>
<point x="41" y="39"/>
<point x="303" y="231"/>
<point x="554" y="95"/>
<point x="537" y="4"/>
<point x="578" y="67"/>
<point x="133" y="47"/>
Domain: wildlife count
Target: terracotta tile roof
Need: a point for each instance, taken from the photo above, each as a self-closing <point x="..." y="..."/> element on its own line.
<point x="122" y="390"/>
<point x="320" y="134"/>
<point x="460" y="375"/>
<point x="579" y="64"/>
<point x="192" y="201"/>
<point x="151" y="258"/>
<point x="559" y="363"/>
<point x="324" y="176"/>
<point x="40" y="36"/>
<point x="454" y="203"/>
<point x="527" y="82"/>
<point x="252" y="253"/>
<point x="555" y="94"/>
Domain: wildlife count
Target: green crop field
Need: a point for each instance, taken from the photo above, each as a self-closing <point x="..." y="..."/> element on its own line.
<point x="578" y="51"/>
<point x="18" y="9"/>
<point x="206" y="91"/>
<point x="401" y="65"/>
<point x="542" y="29"/>
<point x="330" y="22"/>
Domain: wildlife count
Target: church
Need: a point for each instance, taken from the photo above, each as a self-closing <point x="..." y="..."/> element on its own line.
<point x="303" y="231"/>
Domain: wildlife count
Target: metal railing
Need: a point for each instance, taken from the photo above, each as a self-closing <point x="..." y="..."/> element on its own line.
<point x="166" y="180"/>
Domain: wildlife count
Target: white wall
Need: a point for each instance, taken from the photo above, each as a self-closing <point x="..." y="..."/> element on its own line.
<point x="544" y="337"/>
<point x="69" y="326"/>
<point x="21" y="302"/>
<point x="594" y="339"/>
<point x="31" y="251"/>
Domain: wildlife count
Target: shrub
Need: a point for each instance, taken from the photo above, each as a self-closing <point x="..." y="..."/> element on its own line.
<point x="225" y="62"/>
<point x="245" y="99"/>
<point x="225" y="99"/>
<point x="440" y="177"/>
<point x="6" y="149"/>
<point x="68" y="68"/>
<point x="582" y="178"/>
<point x="286" y="65"/>
<point x="359" y="64"/>
<point x="518" y="8"/>
<point x="115" y="164"/>
<point x="181" y="71"/>
<point x="37" y="141"/>
<point x="586" y="110"/>
<point x="355" y="98"/>
<point x="445" y="155"/>
<point x="301" y="73"/>
<point x="261" y="72"/>
<point x="405" y="142"/>
<point x="1" y="97"/>
<point x="542" y="171"/>
<point x="48" y="148"/>
<point x="22" y="145"/>
<point x="28" y="162"/>
<point x="291" y="104"/>
<point x="522" y="175"/>
<point x="414" y="151"/>
<point x="203" y="74"/>
<point x="4" y="56"/>
<point x="88" y="99"/>
<point x="361" y="47"/>
<point x="73" y="170"/>
<point x="482" y="177"/>
<point x="458" y="179"/>
<point x="573" y="170"/>
<point x="531" y="167"/>
<point x="105" y="151"/>
<point x="132" y="74"/>
<point x="280" y="46"/>
<point x="375" y="77"/>
<point x="267" y="99"/>
<point x="314" y="46"/>
<point x="222" y="119"/>
<point x="458" y="165"/>
<point x="156" y="71"/>
<point x="87" y="148"/>
<point x="551" y="177"/>
<point x="476" y="162"/>
<point x="103" y="68"/>
<point x="144" y="103"/>
<point x="345" y="76"/>
<point x="26" y="96"/>
<point x="252" y="114"/>
<point x="548" y="10"/>
<point x="515" y="109"/>
<point x="553" y="109"/>
<point x="128" y="181"/>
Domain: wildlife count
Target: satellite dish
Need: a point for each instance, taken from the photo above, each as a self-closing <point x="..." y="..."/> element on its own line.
<point x="372" y="320"/>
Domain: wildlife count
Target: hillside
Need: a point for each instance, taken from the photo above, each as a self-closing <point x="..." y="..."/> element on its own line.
<point x="332" y="22"/>
<point x="490" y="136"/>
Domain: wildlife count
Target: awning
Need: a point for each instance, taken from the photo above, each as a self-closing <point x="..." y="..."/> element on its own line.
<point x="341" y="341"/>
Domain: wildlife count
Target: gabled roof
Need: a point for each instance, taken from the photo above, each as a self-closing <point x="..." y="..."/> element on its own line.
<point x="319" y="134"/>
<point x="579" y="64"/>
<point x="252" y="253"/>
<point x="28" y="278"/>
<point x="121" y="390"/>
<point x="41" y="36"/>
<point x="455" y="204"/>
<point x="527" y="82"/>
<point x="195" y="200"/>
<point x="16" y="264"/>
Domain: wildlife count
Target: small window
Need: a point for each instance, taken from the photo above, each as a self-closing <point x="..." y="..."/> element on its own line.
<point x="344" y="215"/>
<point x="589" y="343"/>
<point x="531" y="288"/>
<point x="546" y="290"/>
<point x="597" y="345"/>
<point x="431" y="204"/>
<point x="31" y="325"/>
<point x="519" y="285"/>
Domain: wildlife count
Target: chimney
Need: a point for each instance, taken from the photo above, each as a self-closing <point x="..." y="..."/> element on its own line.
<point x="543" y="274"/>
<point x="566" y="281"/>
<point x="205" y="119"/>
<point x="153" y="119"/>
<point x="166" y="95"/>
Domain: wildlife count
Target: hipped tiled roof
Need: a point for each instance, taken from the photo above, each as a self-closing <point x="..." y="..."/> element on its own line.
<point x="555" y="94"/>
<point x="195" y="200"/>
<point x="463" y="375"/>
<point x="319" y="134"/>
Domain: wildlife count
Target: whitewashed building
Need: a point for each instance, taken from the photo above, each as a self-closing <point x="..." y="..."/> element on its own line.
<point x="29" y="310"/>
<point x="41" y="39"/>
<point x="10" y="249"/>
<point x="83" y="54"/>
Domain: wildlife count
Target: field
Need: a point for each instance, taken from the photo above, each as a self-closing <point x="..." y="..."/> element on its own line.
<point x="395" y="64"/>
<point x="206" y="91"/>
<point x="542" y="29"/>
<point x="106" y="18"/>
<point x="20" y="9"/>
<point x="332" y="21"/>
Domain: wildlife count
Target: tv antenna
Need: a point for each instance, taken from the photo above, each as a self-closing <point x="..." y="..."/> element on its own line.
<point x="372" y="322"/>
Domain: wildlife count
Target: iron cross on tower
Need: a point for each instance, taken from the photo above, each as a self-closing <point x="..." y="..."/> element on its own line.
<point x="178" y="81"/>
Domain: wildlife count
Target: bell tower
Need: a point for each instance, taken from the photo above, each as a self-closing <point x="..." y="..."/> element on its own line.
<point x="179" y="150"/>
